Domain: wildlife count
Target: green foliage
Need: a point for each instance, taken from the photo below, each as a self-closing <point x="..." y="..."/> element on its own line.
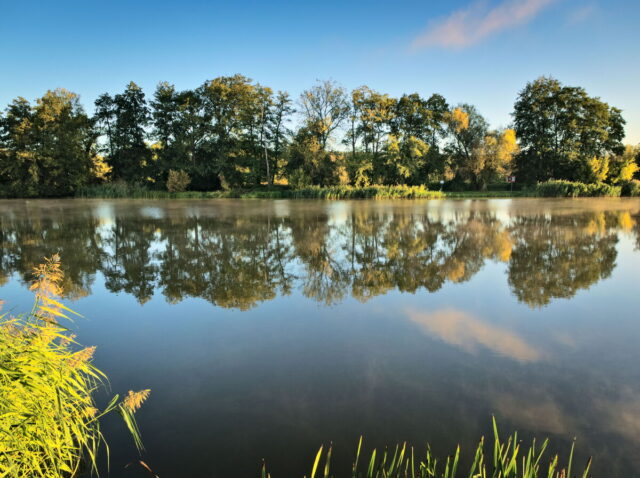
<point x="562" y="188"/>
<point x="561" y="130"/>
<point x="309" y="164"/>
<point x="478" y="156"/>
<point x="488" y="194"/>
<point x="623" y="167"/>
<point x="49" y="424"/>
<point x="232" y="133"/>
<point x="178" y="181"/>
<point x="123" y="190"/>
<point x="46" y="149"/>
<point x="122" y="120"/>
<point x="506" y="459"/>
<point x="229" y="132"/>
<point x="630" y="188"/>
<point x="369" y="192"/>
<point x="468" y="129"/>
<point x="324" y="107"/>
<point x="120" y="189"/>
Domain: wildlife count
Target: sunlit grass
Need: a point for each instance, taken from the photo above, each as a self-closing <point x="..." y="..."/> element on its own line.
<point x="488" y="194"/>
<point x="366" y="192"/>
<point x="504" y="459"/>
<point x="49" y="422"/>
<point x="561" y="188"/>
<point x="124" y="190"/>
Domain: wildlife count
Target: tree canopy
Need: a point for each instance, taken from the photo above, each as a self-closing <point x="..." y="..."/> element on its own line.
<point x="47" y="149"/>
<point x="564" y="133"/>
<point x="232" y="132"/>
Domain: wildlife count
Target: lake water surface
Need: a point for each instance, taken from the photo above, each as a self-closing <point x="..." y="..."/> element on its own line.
<point x="266" y="328"/>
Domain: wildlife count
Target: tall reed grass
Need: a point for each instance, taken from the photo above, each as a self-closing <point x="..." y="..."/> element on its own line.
<point x="574" y="189"/>
<point x="125" y="190"/>
<point x="121" y="189"/>
<point x="49" y="422"/>
<point x="506" y="459"/>
<point x="367" y="192"/>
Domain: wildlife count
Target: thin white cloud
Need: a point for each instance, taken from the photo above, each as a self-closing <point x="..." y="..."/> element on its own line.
<point x="469" y="26"/>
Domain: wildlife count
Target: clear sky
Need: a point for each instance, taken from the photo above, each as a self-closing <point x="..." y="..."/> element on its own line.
<point x="477" y="52"/>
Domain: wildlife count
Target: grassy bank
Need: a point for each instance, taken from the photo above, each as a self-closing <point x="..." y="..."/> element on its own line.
<point x="488" y="194"/>
<point x="546" y="189"/>
<point x="122" y="190"/>
<point x="49" y="423"/>
<point x="112" y="191"/>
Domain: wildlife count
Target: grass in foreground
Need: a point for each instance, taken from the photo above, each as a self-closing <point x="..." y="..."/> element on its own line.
<point x="508" y="459"/>
<point x="49" y="423"/>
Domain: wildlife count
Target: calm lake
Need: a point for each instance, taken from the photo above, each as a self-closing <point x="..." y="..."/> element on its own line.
<point x="267" y="328"/>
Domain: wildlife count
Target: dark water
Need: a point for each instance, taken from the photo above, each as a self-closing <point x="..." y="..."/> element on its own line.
<point x="266" y="328"/>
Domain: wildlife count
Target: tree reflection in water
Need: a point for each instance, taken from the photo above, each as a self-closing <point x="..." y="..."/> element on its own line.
<point x="236" y="258"/>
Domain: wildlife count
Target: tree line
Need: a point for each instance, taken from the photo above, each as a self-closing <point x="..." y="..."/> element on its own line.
<point x="231" y="132"/>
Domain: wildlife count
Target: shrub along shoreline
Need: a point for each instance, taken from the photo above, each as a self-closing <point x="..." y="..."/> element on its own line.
<point x="553" y="188"/>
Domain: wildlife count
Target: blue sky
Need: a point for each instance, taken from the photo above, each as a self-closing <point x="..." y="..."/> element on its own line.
<point x="477" y="52"/>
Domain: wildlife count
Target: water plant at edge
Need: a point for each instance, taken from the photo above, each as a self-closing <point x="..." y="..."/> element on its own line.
<point x="508" y="459"/>
<point x="49" y="422"/>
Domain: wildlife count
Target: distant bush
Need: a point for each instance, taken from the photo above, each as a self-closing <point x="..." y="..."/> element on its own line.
<point x="368" y="192"/>
<point x="178" y="181"/>
<point x="119" y="189"/>
<point x="602" y="189"/>
<point x="317" y="192"/>
<point x="630" y="188"/>
<point x="574" y="189"/>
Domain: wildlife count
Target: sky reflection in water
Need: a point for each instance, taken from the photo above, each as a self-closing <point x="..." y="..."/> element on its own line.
<point x="267" y="327"/>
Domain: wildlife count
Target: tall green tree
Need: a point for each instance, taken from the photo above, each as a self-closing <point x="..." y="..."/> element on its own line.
<point x="47" y="149"/>
<point x="561" y="130"/>
<point x="279" y="132"/>
<point x="309" y="164"/>
<point x="268" y="132"/>
<point x="422" y="124"/>
<point x="228" y="107"/>
<point x="180" y="129"/>
<point x="122" y="121"/>
<point x="324" y="107"/>
<point x="371" y="115"/>
<point x="467" y="129"/>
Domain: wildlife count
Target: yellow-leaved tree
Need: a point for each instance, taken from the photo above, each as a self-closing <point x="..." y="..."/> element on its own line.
<point x="494" y="158"/>
<point x="624" y="167"/>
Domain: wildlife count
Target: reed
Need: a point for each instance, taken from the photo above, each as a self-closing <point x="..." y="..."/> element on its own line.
<point x="488" y="194"/>
<point x="562" y="188"/>
<point x="125" y="190"/>
<point x="121" y="189"/>
<point x="49" y="422"/>
<point x="506" y="459"/>
<point x="367" y="192"/>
